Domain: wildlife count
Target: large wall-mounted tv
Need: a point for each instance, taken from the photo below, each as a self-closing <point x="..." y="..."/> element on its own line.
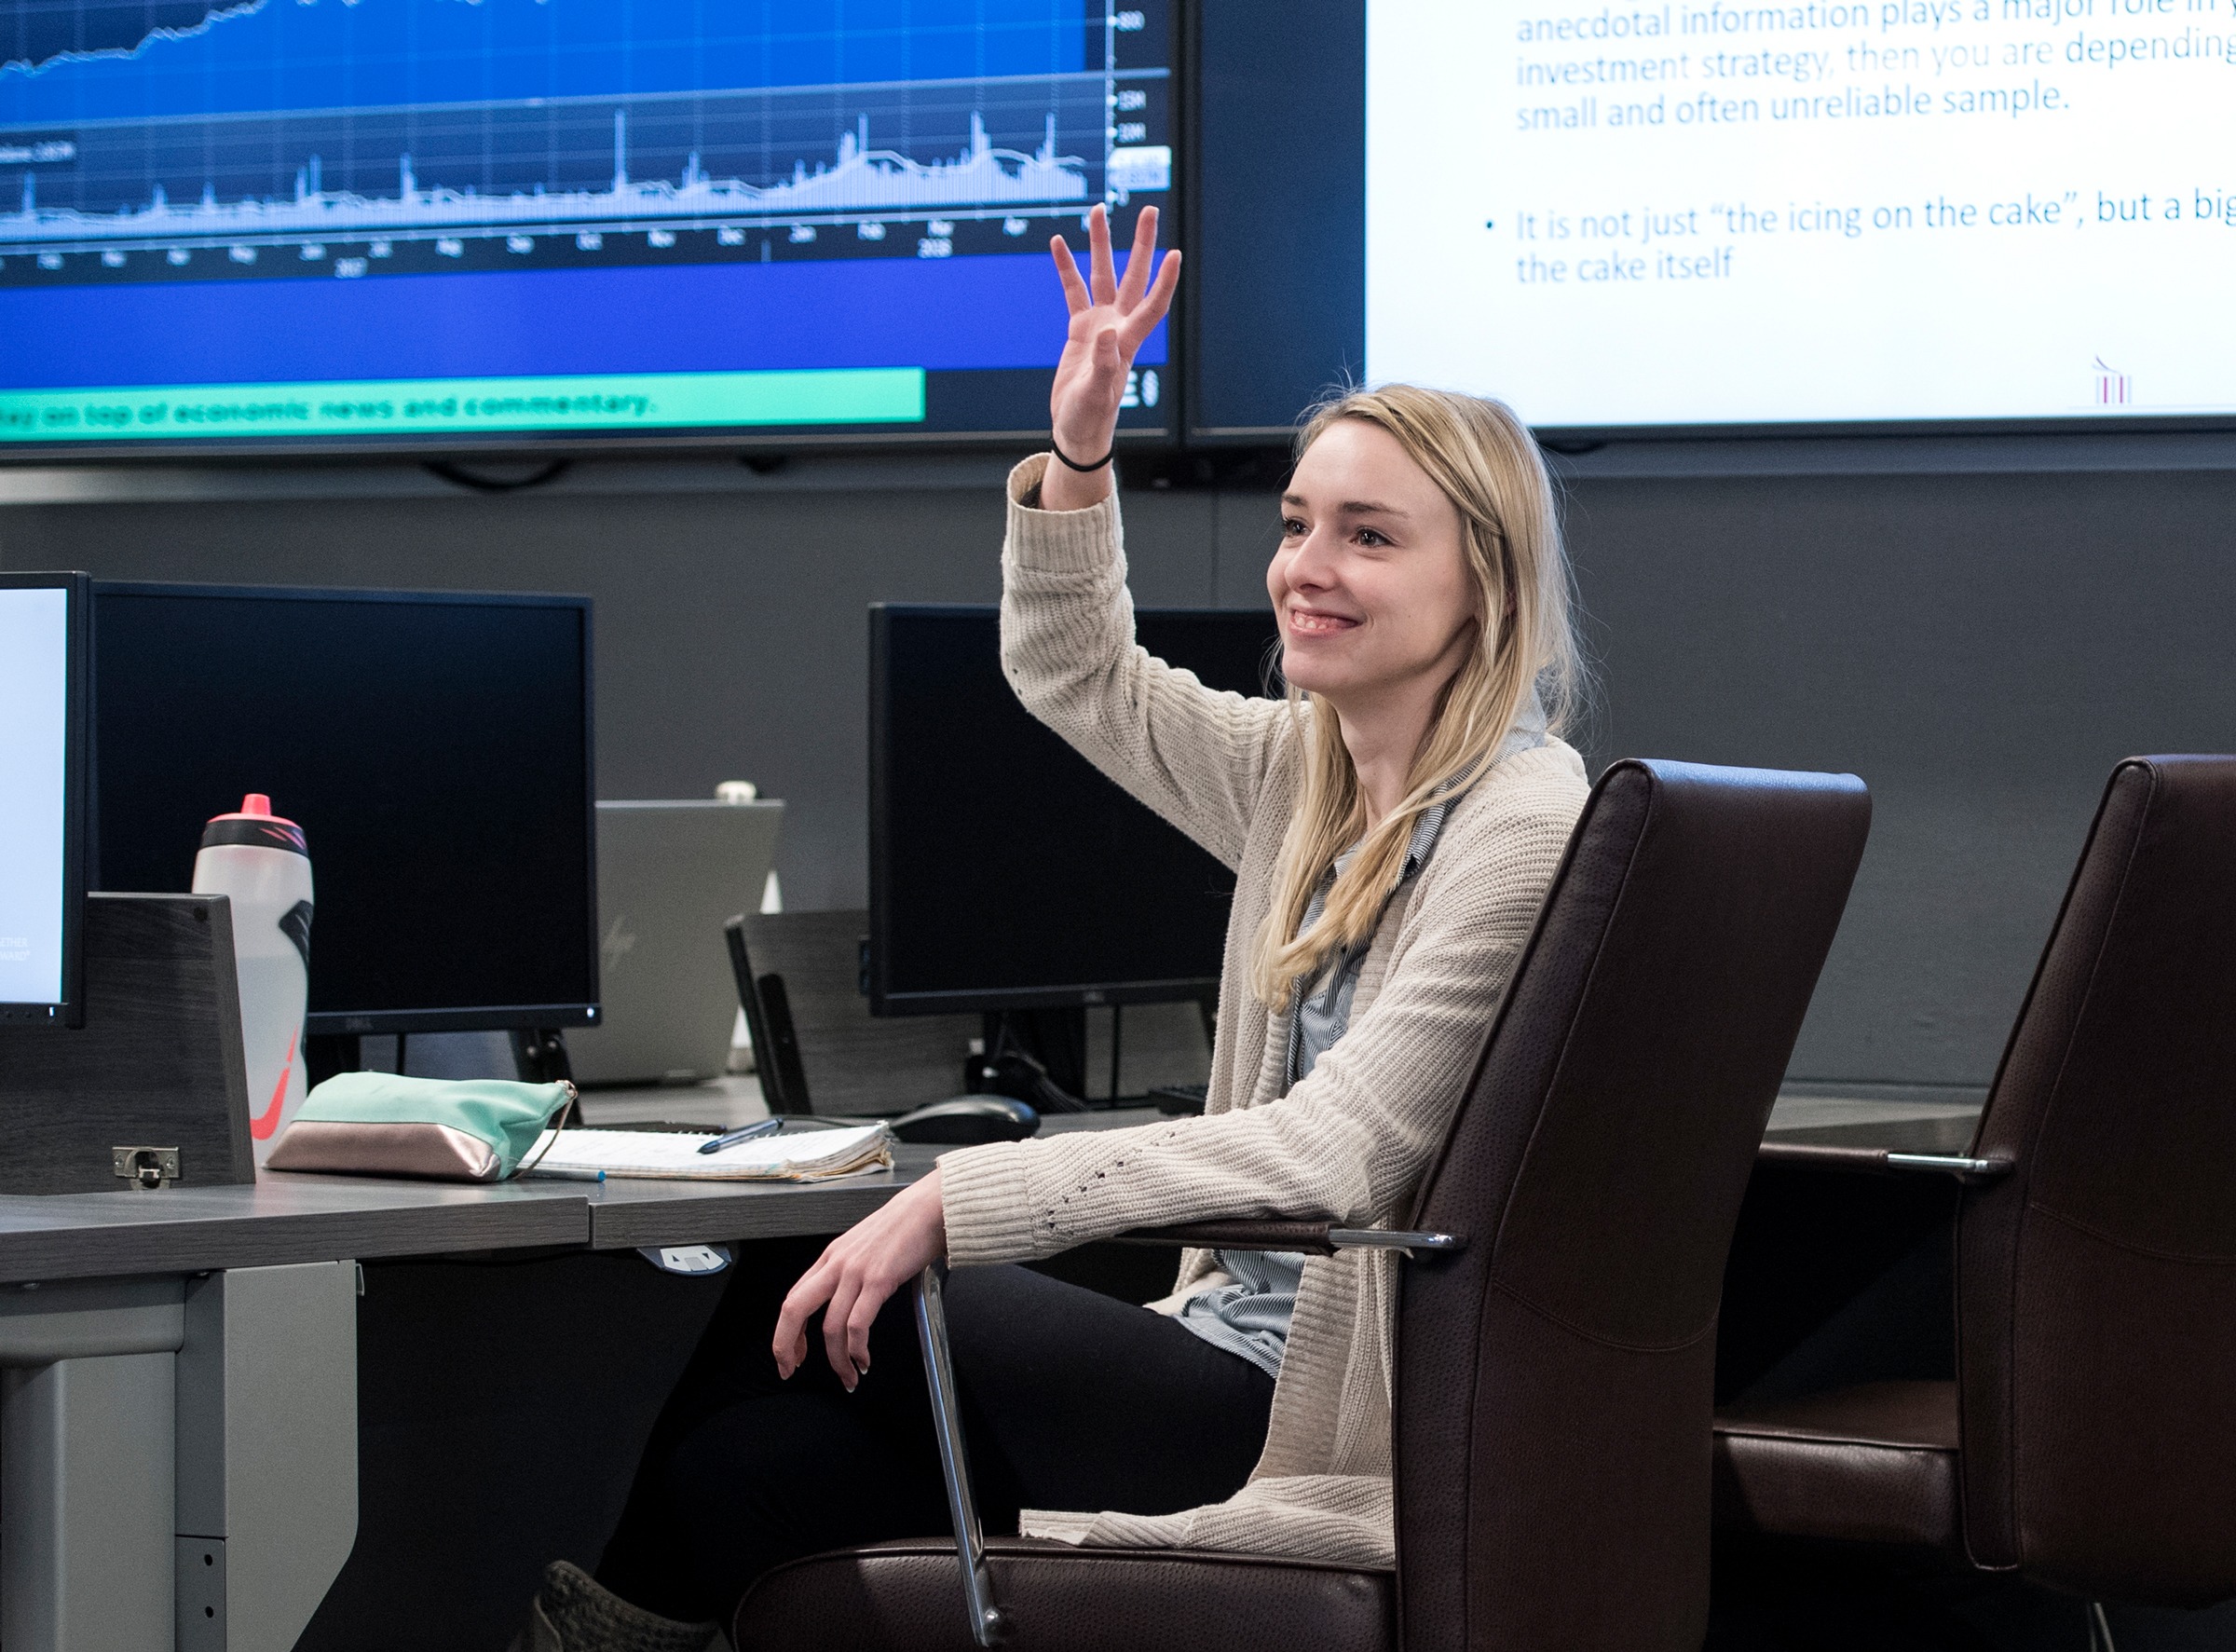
<point x="281" y="225"/>
<point x="1714" y="217"/>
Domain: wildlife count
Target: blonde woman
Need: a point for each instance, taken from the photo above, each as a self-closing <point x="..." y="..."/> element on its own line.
<point x="1394" y="825"/>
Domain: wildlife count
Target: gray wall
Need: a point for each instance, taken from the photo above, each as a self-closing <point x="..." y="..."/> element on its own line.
<point x="731" y="637"/>
<point x="1979" y="647"/>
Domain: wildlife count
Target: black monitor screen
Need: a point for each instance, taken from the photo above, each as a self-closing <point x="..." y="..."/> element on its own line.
<point x="1005" y="872"/>
<point x="435" y="750"/>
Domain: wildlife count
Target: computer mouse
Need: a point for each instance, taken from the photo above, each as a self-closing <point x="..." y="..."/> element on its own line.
<point x="966" y="1121"/>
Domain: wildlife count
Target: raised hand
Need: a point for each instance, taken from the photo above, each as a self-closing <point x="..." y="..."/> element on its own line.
<point x="1109" y="319"/>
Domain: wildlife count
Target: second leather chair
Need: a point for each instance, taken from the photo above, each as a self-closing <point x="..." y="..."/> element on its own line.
<point x="2089" y="1441"/>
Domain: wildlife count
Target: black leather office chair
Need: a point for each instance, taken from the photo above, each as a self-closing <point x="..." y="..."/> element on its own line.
<point x="2090" y="1438"/>
<point x="1555" y="1331"/>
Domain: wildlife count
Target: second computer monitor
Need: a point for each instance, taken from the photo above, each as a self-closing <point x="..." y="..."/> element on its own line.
<point x="435" y="748"/>
<point x="1005" y="872"/>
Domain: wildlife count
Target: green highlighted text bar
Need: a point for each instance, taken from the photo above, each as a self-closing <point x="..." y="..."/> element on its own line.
<point x="597" y="403"/>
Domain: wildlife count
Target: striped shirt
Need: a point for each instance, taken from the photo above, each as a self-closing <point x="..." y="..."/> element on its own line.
<point x="1249" y="1314"/>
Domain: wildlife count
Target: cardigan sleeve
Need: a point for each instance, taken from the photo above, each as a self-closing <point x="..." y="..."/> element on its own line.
<point x="1196" y="756"/>
<point x="1349" y="1143"/>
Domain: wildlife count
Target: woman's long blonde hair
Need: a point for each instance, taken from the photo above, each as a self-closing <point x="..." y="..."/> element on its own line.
<point x="1486" y="463"/>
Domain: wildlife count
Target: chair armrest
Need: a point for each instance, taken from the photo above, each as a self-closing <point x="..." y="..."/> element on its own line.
<point x="1962" y="1166"/>
<point x="1828" y="1156"/>
<point x="1308" y="1236"/>
<point x="988" y="1624"/>
<point x="1314" y="1238"/>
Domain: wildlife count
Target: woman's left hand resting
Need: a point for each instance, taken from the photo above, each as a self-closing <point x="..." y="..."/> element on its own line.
<point x="854" y="1276"/>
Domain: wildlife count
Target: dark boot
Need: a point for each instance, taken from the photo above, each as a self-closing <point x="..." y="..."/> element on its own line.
<point x="573" y="1613"/>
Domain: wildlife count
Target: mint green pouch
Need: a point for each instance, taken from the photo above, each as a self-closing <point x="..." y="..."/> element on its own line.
<point x="383" y="1124"/>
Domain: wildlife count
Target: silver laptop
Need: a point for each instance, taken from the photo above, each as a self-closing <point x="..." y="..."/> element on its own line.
<point x="669" y="874"/>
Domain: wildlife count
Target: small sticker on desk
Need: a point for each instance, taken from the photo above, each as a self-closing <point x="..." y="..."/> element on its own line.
<point x="687" y="1259"/>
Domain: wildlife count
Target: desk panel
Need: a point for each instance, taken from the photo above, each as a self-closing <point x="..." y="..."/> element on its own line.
<point x="281" y="1219"/>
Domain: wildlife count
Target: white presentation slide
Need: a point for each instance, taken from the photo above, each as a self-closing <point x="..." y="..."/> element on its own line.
<point x="34" y="699"/>
<point x="1714" y="212"/>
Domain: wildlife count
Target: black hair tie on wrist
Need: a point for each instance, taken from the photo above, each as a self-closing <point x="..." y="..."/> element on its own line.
<point x="1073" y="464"/>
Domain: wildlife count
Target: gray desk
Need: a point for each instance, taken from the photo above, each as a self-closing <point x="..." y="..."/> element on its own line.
<point x="178" y="1381"/>
<point x="1856" y="1133"/>
<point x="178" y="1402"/>
<point x="627" y="1214"/>
<point x="178" y="1397"/>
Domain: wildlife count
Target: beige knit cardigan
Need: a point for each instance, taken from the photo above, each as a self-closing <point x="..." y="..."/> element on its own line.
<point x="1351" y="1142"/>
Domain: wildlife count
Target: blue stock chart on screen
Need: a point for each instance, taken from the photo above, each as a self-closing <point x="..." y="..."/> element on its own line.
<point x="314" y="222"/>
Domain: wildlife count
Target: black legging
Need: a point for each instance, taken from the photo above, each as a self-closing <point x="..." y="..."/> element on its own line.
<point x="1072" y="1399"/>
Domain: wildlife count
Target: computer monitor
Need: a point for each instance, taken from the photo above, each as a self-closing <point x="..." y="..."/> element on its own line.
<point x="42" y="798"/>
<point x="1634" y="223"/>
<point x="227" y="225"/>
<point x="1005" y="871"/>
<point x="434" y="747"/>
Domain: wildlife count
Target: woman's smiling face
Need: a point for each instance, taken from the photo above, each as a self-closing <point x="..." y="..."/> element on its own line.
<point x="1371" y="583"/>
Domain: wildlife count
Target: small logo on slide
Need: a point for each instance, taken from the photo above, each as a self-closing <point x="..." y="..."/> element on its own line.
<point x="2114" y="389"/>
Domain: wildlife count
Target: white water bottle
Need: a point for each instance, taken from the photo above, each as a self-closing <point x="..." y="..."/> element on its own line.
<point x="262" y="863"/>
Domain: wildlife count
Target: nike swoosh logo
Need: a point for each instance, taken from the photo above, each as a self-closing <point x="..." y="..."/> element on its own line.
<point x="262" y="1127"/>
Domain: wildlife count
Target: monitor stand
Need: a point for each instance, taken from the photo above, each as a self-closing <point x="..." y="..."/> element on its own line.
<point x="539" y="1053"/>
<point x="1027" y="1053"/>
<point x="325" y="1054"/>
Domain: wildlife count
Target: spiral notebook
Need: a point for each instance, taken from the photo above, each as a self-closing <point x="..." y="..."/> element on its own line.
<point x="805" y="1156"/>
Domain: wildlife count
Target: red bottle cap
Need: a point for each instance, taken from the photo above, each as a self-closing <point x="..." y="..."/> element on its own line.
<point x="255" y="806"/>
<point x="253" y="823"/>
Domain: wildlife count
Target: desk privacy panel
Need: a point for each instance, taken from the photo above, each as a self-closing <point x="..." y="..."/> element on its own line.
<point x="157" y="1063"/>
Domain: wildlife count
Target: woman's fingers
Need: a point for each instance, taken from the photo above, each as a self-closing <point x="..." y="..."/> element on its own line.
<point x="798" y="1353"/>
<point x="858" y="1273"/>
<point x="1145" y="316"/>
<point x="835" y="1315"/>
<point x="1103" y="275"/>
<point x="809" y="1292"/>
<point x="849" y="1307"/>
<point x="1067" y="271"/>
<point x="867" y="1306"/>
<point x="1137" y="264"/>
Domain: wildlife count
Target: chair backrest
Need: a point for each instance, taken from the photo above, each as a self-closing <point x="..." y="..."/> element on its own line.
<point x="855" y="1062"/>
<point x="2096" y="1309"/>
<point x="1555" y="1379"/>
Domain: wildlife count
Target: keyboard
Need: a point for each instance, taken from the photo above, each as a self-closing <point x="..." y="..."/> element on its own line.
<point x="1180" y="1099"/>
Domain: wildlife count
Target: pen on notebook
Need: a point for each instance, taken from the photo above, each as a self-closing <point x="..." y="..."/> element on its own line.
<point x="768" y="1127"/>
